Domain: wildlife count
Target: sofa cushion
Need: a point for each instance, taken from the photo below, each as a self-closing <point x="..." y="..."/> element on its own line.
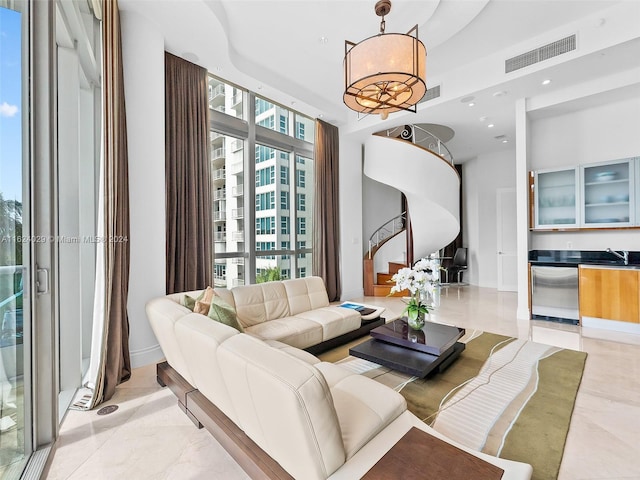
<point x="334" y="320"/>
<point x="199" y="338"/>
<point x="261" y="302"/>
<point x="364" y="406"/>
<point x="284" y="405"/>
<point x="294" y="331"/>
<point x="222" y="312"/>
<point x="163" y="313"/>
<point x="305" y="294"/>
<point x="296" y="352"/>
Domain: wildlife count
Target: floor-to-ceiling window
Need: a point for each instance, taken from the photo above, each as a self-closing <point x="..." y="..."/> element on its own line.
<point x="14" y="405"/>
<point x="262" y="169"/>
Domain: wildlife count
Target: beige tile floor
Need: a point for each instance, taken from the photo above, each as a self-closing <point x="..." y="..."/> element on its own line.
<point x="148" y="437"/>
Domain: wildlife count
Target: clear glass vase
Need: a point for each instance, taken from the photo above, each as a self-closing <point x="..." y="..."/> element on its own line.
<point x="418" y="323"/>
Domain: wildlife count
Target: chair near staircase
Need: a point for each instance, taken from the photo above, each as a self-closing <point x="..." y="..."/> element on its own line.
<point x="459" y="264"/>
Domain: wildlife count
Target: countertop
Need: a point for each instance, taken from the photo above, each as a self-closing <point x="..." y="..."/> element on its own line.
<point x="573" y="258"/>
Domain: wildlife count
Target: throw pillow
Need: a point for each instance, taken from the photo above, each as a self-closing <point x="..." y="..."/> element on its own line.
<point x="190" y="302"/>
<point x="202" y="305"/>
<point x="222" y="312"/>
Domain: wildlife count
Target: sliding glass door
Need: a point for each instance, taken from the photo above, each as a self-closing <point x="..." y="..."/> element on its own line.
<point x="14" y="244"/>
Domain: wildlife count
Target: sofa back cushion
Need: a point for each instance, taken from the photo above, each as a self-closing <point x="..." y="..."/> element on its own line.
<point x="199" y="337"/>
<point x="306" y="294"/>
<point x="284" y="405"/>
<point x="163" y="313"/>
<point x="260" y="303"/>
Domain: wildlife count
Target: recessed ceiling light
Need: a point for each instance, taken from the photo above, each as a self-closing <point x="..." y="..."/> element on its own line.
<point x="505" y="141"/>
<point x="293" y="103"/>
<point x="323" y="40"/>
<point x="491" y="125"/>
<point x="471" y="104"/>
<point x="483" y="119"/>
<point x="499" y="93"/>
<point x="546" y="82"/>
<point x="259" y="87"/>
<point x="468" y="99"/>
<point x="320" y="115"/>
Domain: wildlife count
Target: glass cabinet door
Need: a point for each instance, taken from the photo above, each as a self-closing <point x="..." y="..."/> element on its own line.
<point x="556" y="193"/>
<point x="608" y="194"/>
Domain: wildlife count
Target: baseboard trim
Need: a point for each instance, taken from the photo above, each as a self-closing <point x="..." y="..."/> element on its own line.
<point x="146" y="356"/>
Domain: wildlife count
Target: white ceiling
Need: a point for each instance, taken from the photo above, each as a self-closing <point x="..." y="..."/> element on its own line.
<point x="292" y="51"/>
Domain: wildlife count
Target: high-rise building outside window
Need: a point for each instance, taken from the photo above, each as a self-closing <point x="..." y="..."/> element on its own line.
<point x="267" y="247"/>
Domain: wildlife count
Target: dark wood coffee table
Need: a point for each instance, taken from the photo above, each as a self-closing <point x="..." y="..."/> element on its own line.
<point x="415" y="352"/>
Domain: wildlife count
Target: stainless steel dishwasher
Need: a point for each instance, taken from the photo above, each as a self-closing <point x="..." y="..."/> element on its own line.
<point x="554" y="293"/>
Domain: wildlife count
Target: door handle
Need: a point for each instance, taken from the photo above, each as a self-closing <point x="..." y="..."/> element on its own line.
<point x="42" y="286"/>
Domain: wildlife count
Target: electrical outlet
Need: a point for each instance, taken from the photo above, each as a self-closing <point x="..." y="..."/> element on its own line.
<point x="569" y="245"/>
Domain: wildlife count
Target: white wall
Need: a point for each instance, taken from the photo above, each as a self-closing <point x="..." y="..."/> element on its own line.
<point x="597" y="134"/>
<point x="481" y="178"/>
<point x="143" y="58"/>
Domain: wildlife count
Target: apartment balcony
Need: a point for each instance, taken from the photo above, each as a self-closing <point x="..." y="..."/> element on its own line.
<point x="220" y="194"/>
<point x="238" y="261"/>
<point x="236" y="99"/>
<point x="216" y="92"/>
<point x="219" y="216"/>
<point x="237" y="213"/>
<point x="237" y="282"/>
<point x="216" y="97"/>
<point x="220" y="236"/>
<point x="219" y="174"/>
<point x="237" y="191"/>
<point x="237" y="236"/>
<point x="218" y="153"/>
<point x="237" y="145"/>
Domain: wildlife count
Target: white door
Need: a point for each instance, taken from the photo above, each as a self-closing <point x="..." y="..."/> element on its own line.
<point x="506" y="240"/>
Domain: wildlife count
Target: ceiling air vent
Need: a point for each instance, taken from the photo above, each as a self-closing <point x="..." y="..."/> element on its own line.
<point x="546" y="52"/>
<point x="433" y="92"/>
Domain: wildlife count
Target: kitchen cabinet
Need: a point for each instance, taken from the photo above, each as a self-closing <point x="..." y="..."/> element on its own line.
<point x="556" y="198"/>
<point x="608" y="193"/>
<point x="598" y="195"/>
<point x="609" y="293"/>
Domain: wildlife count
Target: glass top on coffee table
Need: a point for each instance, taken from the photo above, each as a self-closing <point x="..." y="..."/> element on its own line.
<point x="433" y="338"/>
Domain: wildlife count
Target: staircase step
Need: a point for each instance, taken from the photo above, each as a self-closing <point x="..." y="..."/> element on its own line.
<point x="394" y="267"/>
<point x="384" y="278"/>
<point x="384" y="290"/>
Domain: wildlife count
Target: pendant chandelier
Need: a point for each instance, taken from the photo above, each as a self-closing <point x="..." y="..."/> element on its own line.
<point x="385" y="73"/>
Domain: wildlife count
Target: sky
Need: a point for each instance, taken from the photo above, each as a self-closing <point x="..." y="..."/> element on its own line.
<point x="10" y="105"/>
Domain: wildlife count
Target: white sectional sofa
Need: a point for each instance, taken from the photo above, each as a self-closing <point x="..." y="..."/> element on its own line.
<point x="277" y="409"/>
<point x="296" y="312"/>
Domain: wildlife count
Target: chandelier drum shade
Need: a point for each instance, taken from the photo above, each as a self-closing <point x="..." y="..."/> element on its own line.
<point x="385" y="73"/>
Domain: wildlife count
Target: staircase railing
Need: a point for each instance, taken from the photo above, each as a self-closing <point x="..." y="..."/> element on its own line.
<point x="388" y="230"/>
<point x="422" y="137"/>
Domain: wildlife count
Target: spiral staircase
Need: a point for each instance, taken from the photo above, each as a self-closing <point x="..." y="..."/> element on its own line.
<point x="420" y="166"/>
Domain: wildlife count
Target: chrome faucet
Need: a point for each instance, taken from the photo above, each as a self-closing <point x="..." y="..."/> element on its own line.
<point x="624" y="256"/>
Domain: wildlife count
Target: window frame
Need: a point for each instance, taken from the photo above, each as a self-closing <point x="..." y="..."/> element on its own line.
<point x="253" y="134"/>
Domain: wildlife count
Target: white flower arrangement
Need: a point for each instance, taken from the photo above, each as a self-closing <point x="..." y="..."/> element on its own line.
<point x="420" y="280"/>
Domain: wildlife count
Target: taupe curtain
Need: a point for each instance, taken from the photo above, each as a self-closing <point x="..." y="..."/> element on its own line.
<point x="326" y="213"/>
<point x="188" y="176"/>
<point x="116" y="365"/>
